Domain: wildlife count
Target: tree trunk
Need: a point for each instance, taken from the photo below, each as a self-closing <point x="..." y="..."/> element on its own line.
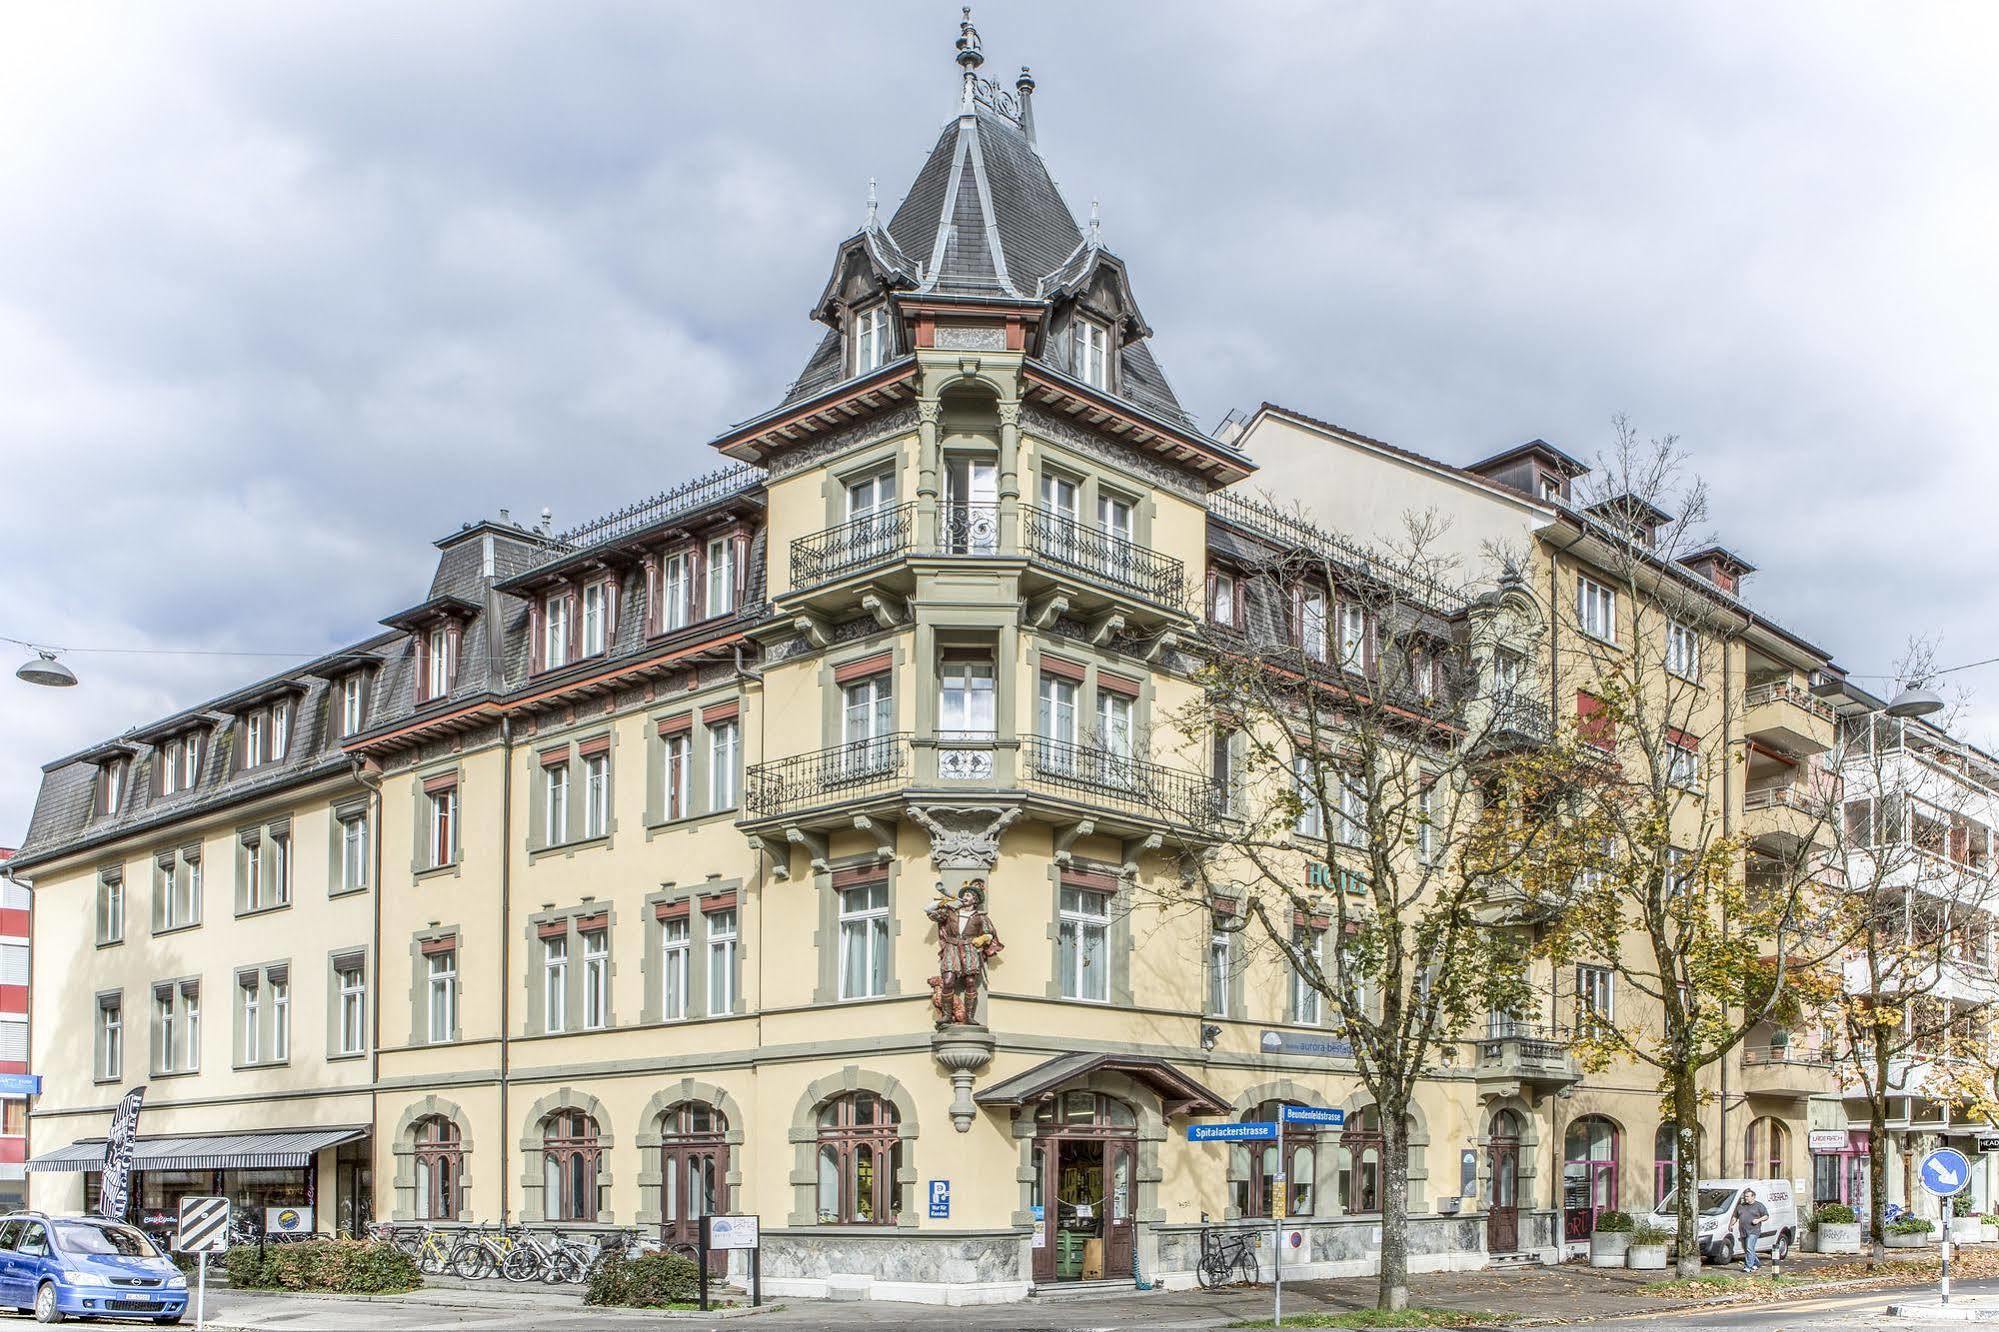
<point x="1394" y="1291"/>
<point x="1877" y="1165"/>
<point x="1686" y="1183"/>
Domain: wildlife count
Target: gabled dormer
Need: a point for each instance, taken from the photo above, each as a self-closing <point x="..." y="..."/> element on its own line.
<point x="266" y="723"/>
<point x="1537" y="469"/>
<point x="112" y="786"/>
<point x="1633" y="516"/>
<point x="179" y="747"/>
<point x="437" y="638"/>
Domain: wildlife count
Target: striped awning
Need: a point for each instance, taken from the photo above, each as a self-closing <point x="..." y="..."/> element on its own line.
<point x="275" y="1149"/>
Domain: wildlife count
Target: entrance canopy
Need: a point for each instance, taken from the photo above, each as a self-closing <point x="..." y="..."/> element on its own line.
<point x="1178" y="1093"/>
<point x="275" y="1149"/>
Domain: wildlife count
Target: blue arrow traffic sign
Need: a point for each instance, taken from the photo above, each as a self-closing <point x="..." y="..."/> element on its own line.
<point x="1254" y="1130"/>
<point x="1945" y="1172"/>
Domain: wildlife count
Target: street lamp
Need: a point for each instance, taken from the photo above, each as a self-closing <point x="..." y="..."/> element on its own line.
<point x="1915" y="701"/>
<point x="44" y="669"/>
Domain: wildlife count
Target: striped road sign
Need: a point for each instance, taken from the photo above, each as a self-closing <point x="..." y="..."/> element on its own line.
<point x="204" y="1225"/>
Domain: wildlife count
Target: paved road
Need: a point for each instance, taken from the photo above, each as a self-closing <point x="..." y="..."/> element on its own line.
<point x="1172" y="1313"/>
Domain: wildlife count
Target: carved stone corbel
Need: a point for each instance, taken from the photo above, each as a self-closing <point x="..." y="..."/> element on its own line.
<point x="1161" y="645"/>
<point x="1066" y="836"/>
<point x="778" y="856"/>
<point x="1134" y="847"/>
<point x="814" y="844"/>
<point x="964" y="837"/>
<point x="811" y="628"/>
<point x="887" y="614"/>
<point x="1047" y="610"/>
<point x="1106" y="626"/>
<point x="883" y="831"/>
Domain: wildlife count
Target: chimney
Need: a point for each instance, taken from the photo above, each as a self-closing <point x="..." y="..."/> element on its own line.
<point x="505" y="518"/>
<point x="1025" y="87"/>
<point x="547" y="520"/>
<point x="1723" y="568"/>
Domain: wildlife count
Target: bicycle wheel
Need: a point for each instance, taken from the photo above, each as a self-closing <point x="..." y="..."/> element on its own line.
<point x="431" y="1259"/>
<point x="1210" y="1273"/>
<point x="470" y="1261"/>
<point x="523" y="1263"/>
<point x="565" y="1264"/>
<point x="1251" y="1271"/>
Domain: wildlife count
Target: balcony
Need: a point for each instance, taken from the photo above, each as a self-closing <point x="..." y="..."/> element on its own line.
<point x="861" y="544"/>
<point x="1786" y="716"/>
<point x="1517" y="722"/>
<point x="1518" y="1055"/>
<point x="1783" y="816"/>
<point x="1785" y="1072"/>
<point x="1059" y="541"/>
<point x="866" y="785"/>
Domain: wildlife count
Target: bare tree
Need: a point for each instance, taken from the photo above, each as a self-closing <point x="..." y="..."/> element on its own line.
<point x="1716" y="932"/>
<point x="1375" y="792"/>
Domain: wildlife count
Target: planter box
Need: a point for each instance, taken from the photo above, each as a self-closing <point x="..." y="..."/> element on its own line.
<point x="1646" y="1257"/>
<point x="1910" y="1241"/>
<point x="1835" y="1237"/>
<point x="1607" y="1247"/>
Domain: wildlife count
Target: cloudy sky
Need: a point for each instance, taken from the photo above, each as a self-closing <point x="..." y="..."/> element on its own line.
<point x="289" y="291"/>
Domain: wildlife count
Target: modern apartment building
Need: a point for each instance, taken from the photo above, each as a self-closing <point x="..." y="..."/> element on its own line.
<point x="600" y="886"/>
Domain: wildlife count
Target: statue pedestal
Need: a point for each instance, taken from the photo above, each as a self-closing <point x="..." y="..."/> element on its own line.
<point x="962" y="1052"/>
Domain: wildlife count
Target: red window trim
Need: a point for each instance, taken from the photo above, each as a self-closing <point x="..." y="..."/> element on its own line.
<point x="678" y="724"/>
<point x="591" y="924"/>
<point x="1315" y="922"/>
<point x="432" y="947"/>
<point x="673" y="910"/>
<point x="595" y="745"/>
<point x="555" y="757"/>
<point x="878" y="664"/>
<point x="1095" y="880"/>
<point x="721" y="712"/>
<point x="552" y="929"/>
<point x="1224" y="906"/>
<point x="718" y="902"/>
<point x="445" y="782"/>
<point x="1063" y="668"/>
<point x="1117" y="684"/>
<point x="855" y="875"/>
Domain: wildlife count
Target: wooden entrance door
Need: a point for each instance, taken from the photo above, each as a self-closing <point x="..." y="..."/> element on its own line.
<point x="1502" y="1216"/>
<point x="693" y="1177"/>
<point x="1086" y="1187"/>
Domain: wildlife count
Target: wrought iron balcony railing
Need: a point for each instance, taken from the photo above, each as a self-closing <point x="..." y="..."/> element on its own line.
<point x="1098" y="776"/>
<point x="1517" y="717"/>
<point x="1059" y="538"/>
<point x="830" y="776"/>
<point x="860" y="543"/>
<point x="969" y="529"/>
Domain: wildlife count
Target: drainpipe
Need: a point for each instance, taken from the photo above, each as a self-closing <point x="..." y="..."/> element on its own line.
<point x="1556" y="1189"/>
<point x="1728" y="721"/>
<point x="374" y="787"/>
<point x="506" y="946"/>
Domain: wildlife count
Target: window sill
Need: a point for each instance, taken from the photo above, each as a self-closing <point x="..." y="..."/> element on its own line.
<point x="346" y="1057"/>
<point x="335" y="894"/>
<point x="1597" y="638"/>
<point x="111" y="1081"/>
<point x="260" y="1064"/>
<point x="263" y="910"/>
<point x="689" y="821"/>
<point x="177" y="929"/>
<point x="178" y="1073"/>
<point x="111" y="943"/>
<point x="568" y="848"/>
<point x="437" y="870"/>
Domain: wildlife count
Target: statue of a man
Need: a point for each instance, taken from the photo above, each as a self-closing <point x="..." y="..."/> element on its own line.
<point x="965" y="940"/>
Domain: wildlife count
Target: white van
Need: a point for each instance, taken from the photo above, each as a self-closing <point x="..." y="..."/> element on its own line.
<point x="1715" y="1217"/>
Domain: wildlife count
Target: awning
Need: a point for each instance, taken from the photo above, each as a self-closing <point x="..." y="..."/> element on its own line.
<point x="275" y="1149"/>
<point x="1178" y="1093"/>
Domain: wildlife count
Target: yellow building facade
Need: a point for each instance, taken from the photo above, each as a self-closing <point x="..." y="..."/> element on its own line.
<point x="604" y="886"/>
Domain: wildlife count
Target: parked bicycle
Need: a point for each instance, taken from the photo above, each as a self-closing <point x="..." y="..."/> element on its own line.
<point x="1228" y="1257"/>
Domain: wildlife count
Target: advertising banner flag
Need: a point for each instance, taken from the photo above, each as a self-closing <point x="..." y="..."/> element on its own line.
<point x="118" y="1148"/>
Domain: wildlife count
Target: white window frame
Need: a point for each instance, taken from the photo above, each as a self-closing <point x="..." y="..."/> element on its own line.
<point x="555" y="803"/>
<point x="597" y="795"/>
<point x="281" y="868"/>
<point x="351" y="979"/>
<point x="676" y="610"/>
<point x="723" y="932"/>
<point x="1306" y="1008"/>
<point x="1083" y="929"/>
<point x="1426" y="828"/>
<point x="280" y="986"/>
<point x="555" y="983"/>
<point x="1311" y="812"/>
<point x="1683" y="651"/>
<point x="352" y="704"/>
<point x="967" y="699"/>
<point x="166" y="1019"/>
<point x="443" y="831"/>
<point x="676" y="943"/>
<point x="596" y="979"/>
<point x="253" y="739"/>
<point x="864" y="940"/>
<point x="110" y="1038"/>
<point x="596" y="618"/>
<point x="248" y="1000"/>
<point x="1092" y="342"/>
<point x="281" y="730"/>
<point x="556" y="610"/>
<point x="677" y="774"/>
<point x="1055" y="708"/>
<point x="1223" y="611"/>
<point x="721" y="576"/>
<point x="441" y="996"/>
<point x="354" y="851"/>
<point x="439" y="680"/>
<point x="111" y="908"/>
<point x="725" y="749"/>
<point x="1683" y="766"/>
<point x="1220" y="946"/>
<point x="871" y="337"/>
<point x="1350" y="619"/>
<point x="1596" y="993"/>
<point x="1596" y="609"/>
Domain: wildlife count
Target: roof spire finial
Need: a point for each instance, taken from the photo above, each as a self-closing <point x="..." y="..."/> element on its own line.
<point x="1096" y="223"/>
<point x="971" y="54"/>
<point x="873" y="204"/>
<point x="1024" y="86"/>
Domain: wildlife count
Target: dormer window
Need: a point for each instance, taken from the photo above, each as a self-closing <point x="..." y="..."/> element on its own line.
<point x="557" y="620"/>
<point x="180" y="763"/>
<point x="111" y="785"/>
<point x="870" y="338"/>
<point x="1551" y="489"/>
<point x="596" y="618"/>
<point x="1093" y="359"/>
<point x="352" y="703"/>
<point x="266" y="735"/>
<point x="438" y="670"/>
<point x="253" y="739"/>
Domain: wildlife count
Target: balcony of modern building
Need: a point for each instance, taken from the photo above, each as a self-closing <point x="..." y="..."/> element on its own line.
<point x="1780" y="712"/>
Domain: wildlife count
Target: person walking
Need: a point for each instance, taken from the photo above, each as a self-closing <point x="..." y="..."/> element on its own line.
<point x="1749" y="1218"/>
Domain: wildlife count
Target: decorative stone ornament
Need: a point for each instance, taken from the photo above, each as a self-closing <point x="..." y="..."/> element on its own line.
<point x="966" y="940"/>
<point x="963" y="837"/>
<point x="963" y="1052"/>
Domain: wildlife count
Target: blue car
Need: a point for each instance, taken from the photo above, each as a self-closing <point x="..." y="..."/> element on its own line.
<point x="86" y="1267"/>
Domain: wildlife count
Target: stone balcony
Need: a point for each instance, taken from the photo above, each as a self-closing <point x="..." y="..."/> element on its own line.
<point x="1783" y="1072"/>
<point x="1522" y="1056"/>
<point x="1789" y="717"/>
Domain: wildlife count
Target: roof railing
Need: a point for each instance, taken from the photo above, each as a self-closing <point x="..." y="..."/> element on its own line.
<point x="684" y="498"/>
<point x="1296" y="534"/>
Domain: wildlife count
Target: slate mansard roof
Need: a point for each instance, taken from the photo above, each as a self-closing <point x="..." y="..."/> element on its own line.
<point x="481" y="580"/>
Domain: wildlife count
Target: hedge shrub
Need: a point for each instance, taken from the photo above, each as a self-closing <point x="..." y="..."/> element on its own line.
<point x="1613" y="1223"/>
<point x="647" y="1281"/>
<point x="338" y="1266"/>
<point x="1834" y="1214"/>
<point x="1910" y="1225"/>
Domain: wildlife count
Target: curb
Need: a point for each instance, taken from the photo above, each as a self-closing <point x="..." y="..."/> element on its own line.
<point x="502" y="1303"/>
<point x="1951" y="1313"/>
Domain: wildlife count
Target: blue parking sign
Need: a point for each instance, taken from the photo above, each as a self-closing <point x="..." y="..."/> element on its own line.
<point x="940" y="1199"/>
